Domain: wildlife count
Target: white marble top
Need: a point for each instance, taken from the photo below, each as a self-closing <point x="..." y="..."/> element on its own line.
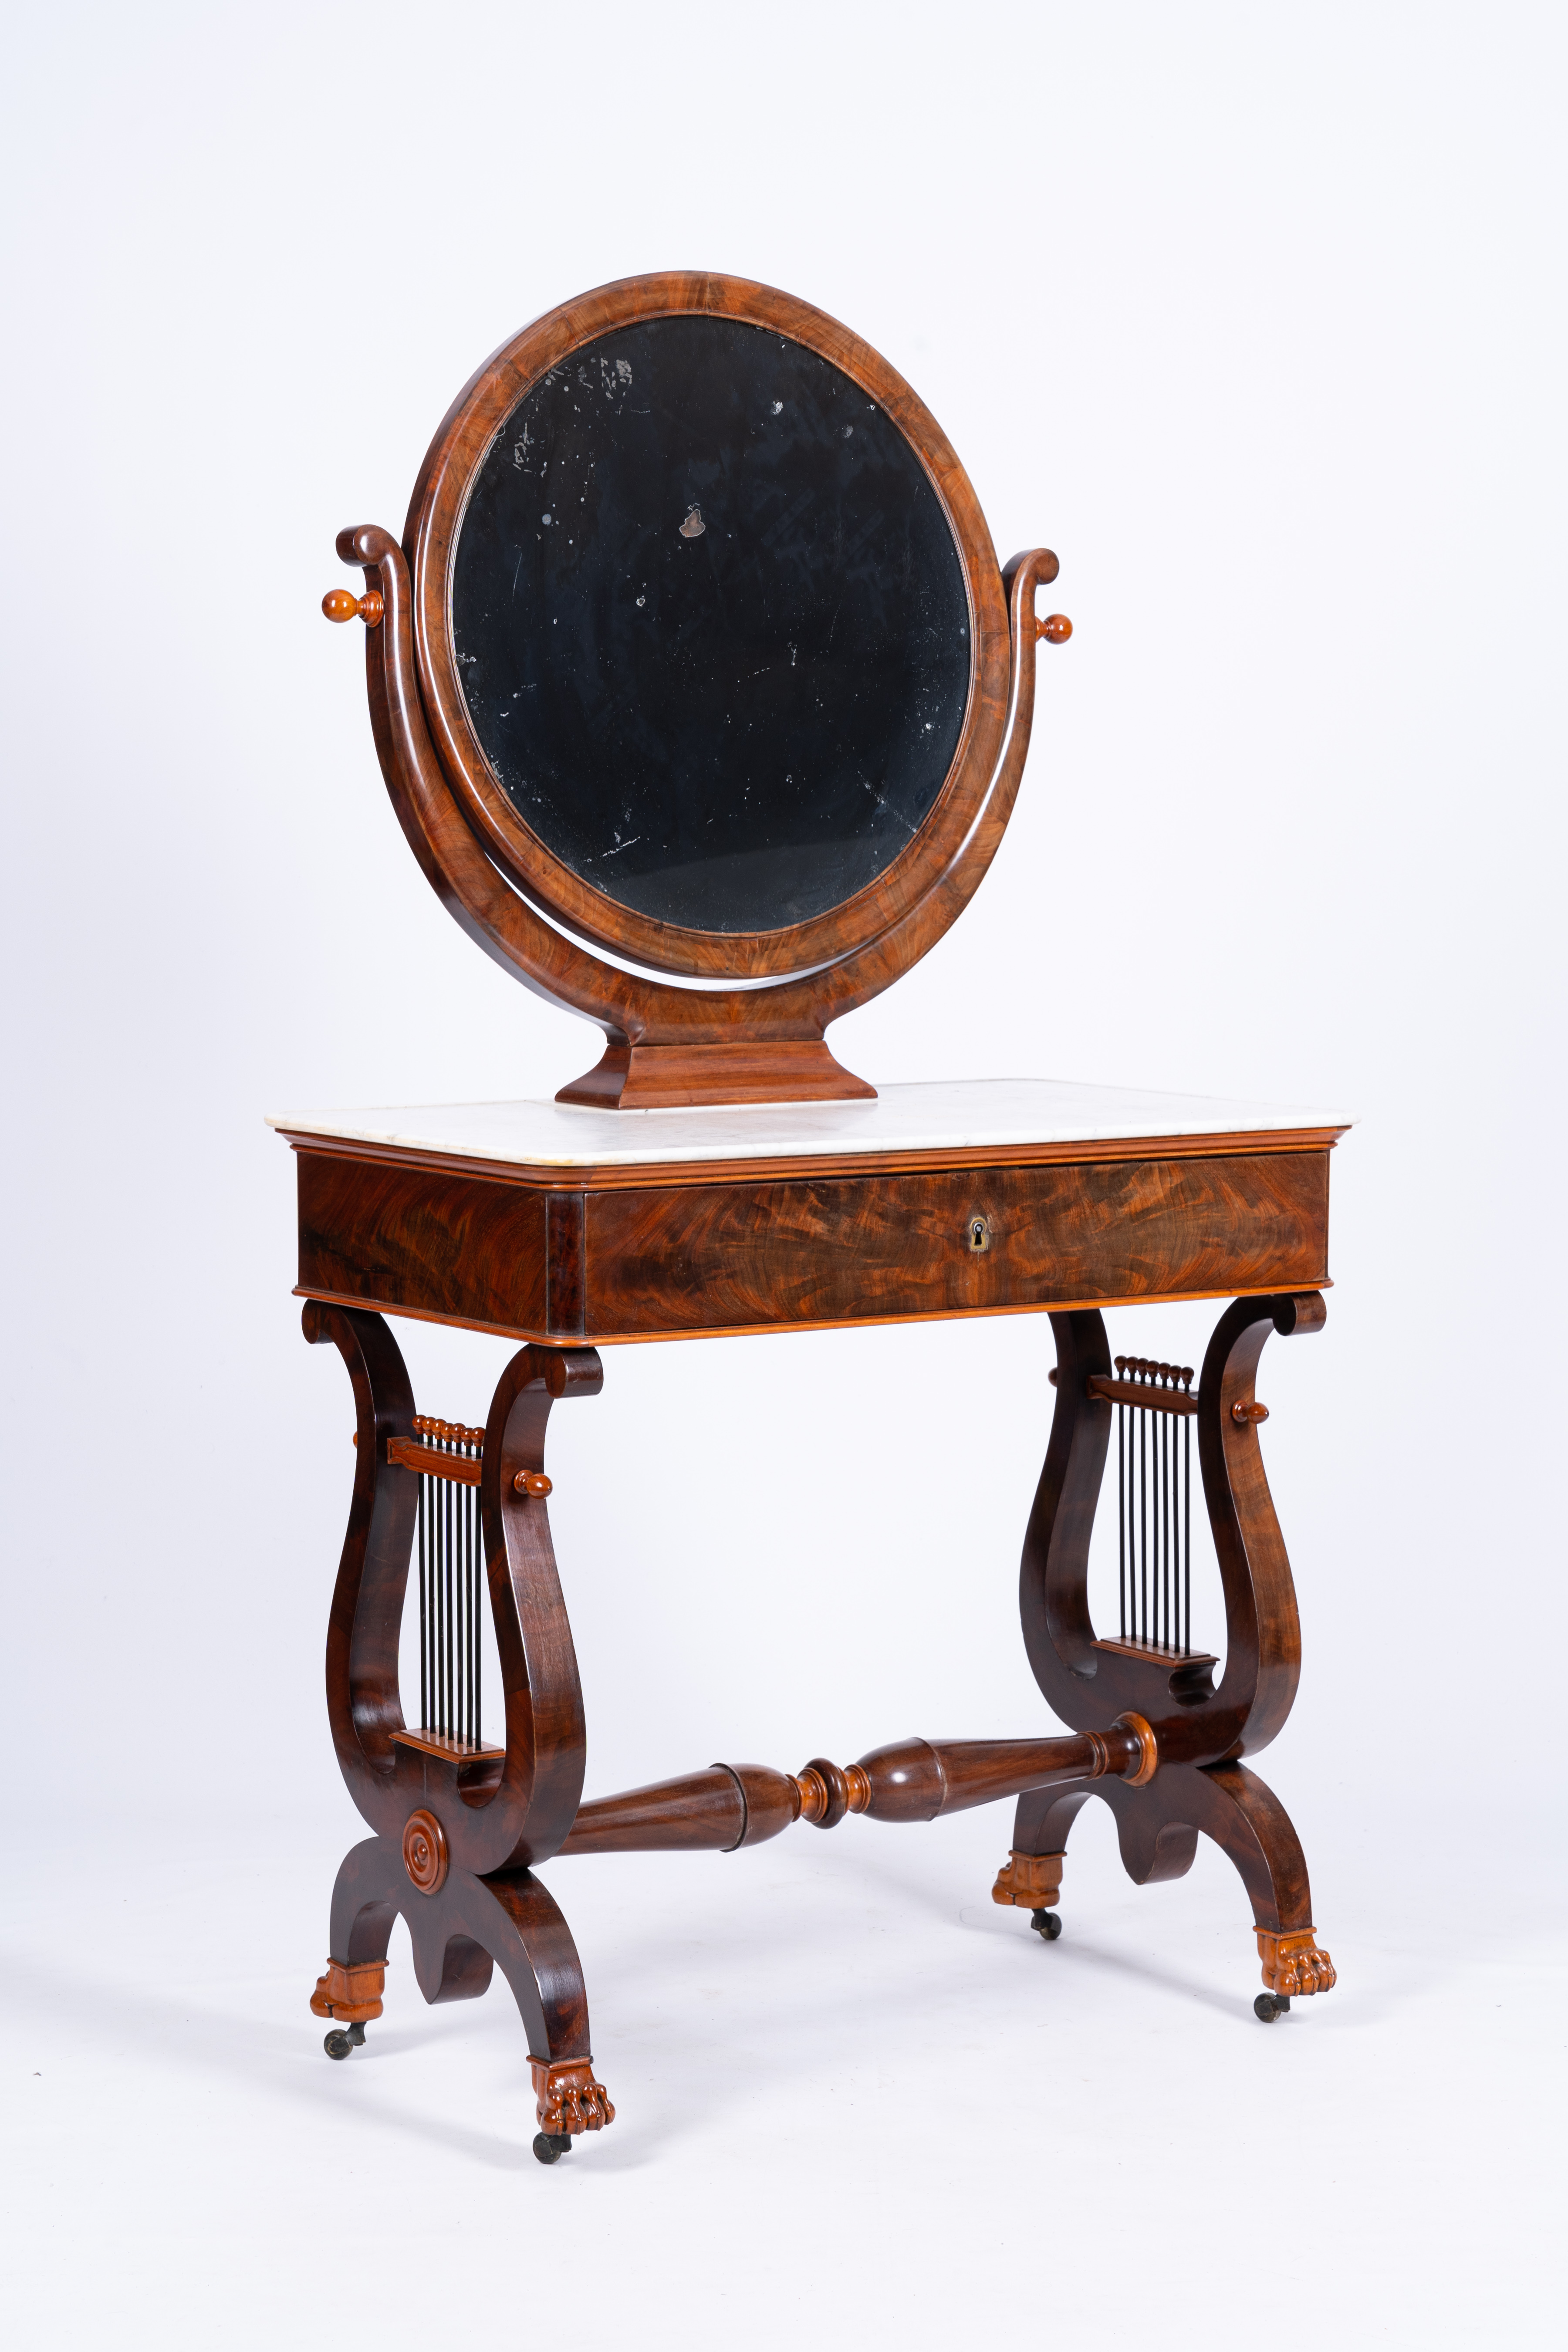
<point x="981" y="1114"/>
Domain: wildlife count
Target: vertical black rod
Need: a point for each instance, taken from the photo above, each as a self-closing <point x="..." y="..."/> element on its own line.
<point x="1166" y="1636"/>
<point x="481" y="1585"/>
<point x="478" y="1618"/>
<point x="456" y="1727"/>
<point x="446" y="1608"/>
<point x="1152" y="1635"/>
<point x="1152" y="1630"/>
<point x="466" y="1500"/>
<point x="1156" y="1431"/>
<point x="451" y="1548"/>
<point x="1121" y="1519"/>
<point x="468" y="1604"/>
<point x="1143" y="1521"/>
<point x="1176" y="1535"/>
<point x="1157" y="1436"/>
<point x="478" y="1612"/>
<point x="479" y="1606"/>
<point x="451" y="1494"/>
<point x="1188" y="1562"/>
<point x="439" y="1505"/>
<point x="1157" y="1440"/>
<point x="423" y="1665"/>
<point x="456" y="1610"/>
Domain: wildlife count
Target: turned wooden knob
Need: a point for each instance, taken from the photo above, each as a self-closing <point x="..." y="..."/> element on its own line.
<point x="1056" y="626"/>
<point x="1244" y="1413"/>
<point x="342" y="604"/>
<point x="533" y="1483"/>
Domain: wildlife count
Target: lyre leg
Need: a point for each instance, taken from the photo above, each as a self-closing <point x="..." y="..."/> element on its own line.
<point x="460" y="1933"/>
<point x="1086" y="1679"/>
<point x="460" y="1824"/>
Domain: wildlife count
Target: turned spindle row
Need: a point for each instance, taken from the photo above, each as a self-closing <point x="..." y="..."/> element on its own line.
<point x="447" y="1433"/>
<point x="445" y="1449"/>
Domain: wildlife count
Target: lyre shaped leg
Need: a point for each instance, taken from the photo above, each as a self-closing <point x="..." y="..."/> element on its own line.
<point x="459" y="1833"/>
<point x="1200" y="1786"/>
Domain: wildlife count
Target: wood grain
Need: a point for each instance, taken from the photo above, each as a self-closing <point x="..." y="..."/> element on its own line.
<point x="385" y="1232"/>
<point x="663" y="1077"/>
<point x="691" y="1259"/>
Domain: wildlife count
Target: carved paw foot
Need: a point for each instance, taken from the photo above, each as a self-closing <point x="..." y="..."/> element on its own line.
<point x="1032" y="1881"/>
<point x="350" y="1992"/>
<point x="1292" y="1964"/>
<point x="567" y="2098"/>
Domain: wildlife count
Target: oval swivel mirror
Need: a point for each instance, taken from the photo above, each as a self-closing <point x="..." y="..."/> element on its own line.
<point x="697" y="652"/>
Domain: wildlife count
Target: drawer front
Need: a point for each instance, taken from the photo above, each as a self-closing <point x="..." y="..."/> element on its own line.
<point x="858" y="1249"/>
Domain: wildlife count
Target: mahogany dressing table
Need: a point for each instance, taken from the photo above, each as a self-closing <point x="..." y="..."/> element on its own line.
<point x="703" y="702"/>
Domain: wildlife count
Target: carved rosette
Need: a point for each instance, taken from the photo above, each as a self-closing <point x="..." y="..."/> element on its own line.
<point x="1032" y="1881"/>
<point x="424" y="1854"/>
<point x="1292" y="1965"/>
<point x="351" y="1990"/>
<point x="567" y="2098"/>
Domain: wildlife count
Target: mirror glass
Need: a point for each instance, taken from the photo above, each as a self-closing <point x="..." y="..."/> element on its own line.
<point x="710" y="624"/>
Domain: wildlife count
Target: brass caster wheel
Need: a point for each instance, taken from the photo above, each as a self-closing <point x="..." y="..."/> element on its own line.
<point x="551" y="2146"/>
<point x="338" y="2043"/>
<point x="1270" y="2005"/>
<point x="1047" y="1924"/>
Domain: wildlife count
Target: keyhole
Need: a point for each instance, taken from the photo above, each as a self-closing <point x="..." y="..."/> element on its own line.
<point x="979" y="1234"/>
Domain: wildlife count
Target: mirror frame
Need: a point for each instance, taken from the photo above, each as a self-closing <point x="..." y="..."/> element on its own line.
<point x="446" y="482"/>
<point x="744" y="1021"/>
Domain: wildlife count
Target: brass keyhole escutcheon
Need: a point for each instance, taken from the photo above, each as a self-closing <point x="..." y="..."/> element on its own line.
<point x="979" y="1235"/>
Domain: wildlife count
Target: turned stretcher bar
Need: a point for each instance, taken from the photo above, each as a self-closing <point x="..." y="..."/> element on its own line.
<point x="732" y="1805"/>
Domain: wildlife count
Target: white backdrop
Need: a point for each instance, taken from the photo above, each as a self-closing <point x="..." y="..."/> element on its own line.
<point x="1255" y="315"/>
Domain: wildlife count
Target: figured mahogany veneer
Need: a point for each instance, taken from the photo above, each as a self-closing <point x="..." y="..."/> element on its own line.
<point x="679" y="1260"/>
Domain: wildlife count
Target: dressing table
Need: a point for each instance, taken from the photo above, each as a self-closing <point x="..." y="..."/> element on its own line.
<point x="703" y="702"/>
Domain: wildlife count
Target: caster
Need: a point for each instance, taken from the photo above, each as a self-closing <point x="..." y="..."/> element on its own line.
<point x="338" y="2043"/>
<point x="1270" y="2005"/>
<point x="1047" y="1924"/>
<point x="551" y="2146"/>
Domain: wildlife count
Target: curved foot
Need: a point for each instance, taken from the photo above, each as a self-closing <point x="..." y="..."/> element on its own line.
<point x="1047" y="1924"/>
<point x="567" y="2100"/>
<point x="1029" y="1880"/>
<point x="350" y="1992"/>
<point x="1293" y="1964"/>
<point x="551" y="2146"/>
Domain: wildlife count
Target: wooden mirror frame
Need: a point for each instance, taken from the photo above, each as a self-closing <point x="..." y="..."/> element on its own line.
<point x="762" y="1040"/>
